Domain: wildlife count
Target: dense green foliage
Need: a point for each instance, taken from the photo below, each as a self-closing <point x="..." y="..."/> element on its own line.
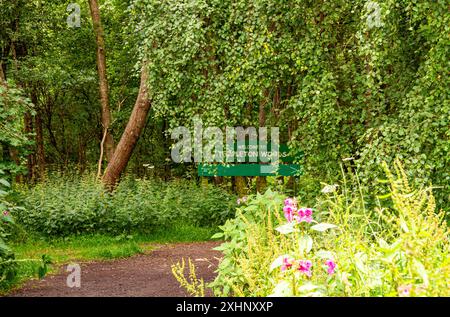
<point x="399" y="248"/>
<point x="56" y="67"/>
<point x="81" y="205"/>
<point x="9" y="231"/>
<point x="357" y="81"/>
<point x="336" y="85"/>
<point x="13" y="106"/>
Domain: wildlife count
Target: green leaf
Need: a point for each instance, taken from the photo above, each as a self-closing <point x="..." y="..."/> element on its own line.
<point x="307" y="287"/>
<point x="278" y="262"/>
<point x="323" y="226"/>
<point x="5" y="182"/>
<point x="323" y="254"/>
<point x="282" y="289"/>
<point x="223" y="247"/>
<point x="360" y="259"/>
<point x="46" y="259"/>
<point x="217" y="235"/>
<point x="420" y="269"/>
<point x="286" y="228"/>
<point x="8" y="219"/>
<point x="305" y="244"/>
<point x="42" y="271"/>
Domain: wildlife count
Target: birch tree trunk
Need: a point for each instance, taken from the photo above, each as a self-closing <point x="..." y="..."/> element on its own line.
<point x="103" y="79"/>
<point x="130" y="136"/>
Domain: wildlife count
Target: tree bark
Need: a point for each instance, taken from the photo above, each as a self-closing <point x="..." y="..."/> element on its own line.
<point x="218" y="180"/>
<point x="241" y="186"/>
<point x="103" y="79"/>
<point x="28" y="123"/>
<point x="2" y="74"/>
<point x="81" y="155"/>
<point x="130" y="136"/>
<point x="40" y="154"/>
<point x="14" y="155"/>
<point x="261" y="181"/>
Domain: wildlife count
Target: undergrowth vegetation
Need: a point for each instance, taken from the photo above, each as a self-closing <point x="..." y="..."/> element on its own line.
<point x="60" y="207"/>
<point x="9" y="263"/>
<point x="361" y="82"/>
<point x="398" y="245"/>
<point x="68" y="218"/>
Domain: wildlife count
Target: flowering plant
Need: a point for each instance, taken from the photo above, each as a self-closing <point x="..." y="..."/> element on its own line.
<point x="296" y="269"/>
<point x="398" y="246"/>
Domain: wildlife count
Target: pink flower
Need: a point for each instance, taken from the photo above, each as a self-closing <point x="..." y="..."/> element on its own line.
<point x="289" y="216"/>
<point x="304" y="266"/>
<point x="308" y="212"/>
<point x="290" y="202"/>
<point x="287" y="264"/>
<point x="242" y="200"/>
<point x="290" y="207"/>
<point x="304" y="214"/>
<point x="289" y="212"/>
<point x="5" y="213"/>
<point x="331" y="266"/>
<point x="404" y="290"/>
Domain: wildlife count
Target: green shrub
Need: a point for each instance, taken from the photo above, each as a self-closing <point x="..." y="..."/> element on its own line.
<point x="73" y="205"/>
<point x="9" y="265"/>
<point x="399" y="247"/>
<point x="13" y="106"/>
<point x="64" y="206"/>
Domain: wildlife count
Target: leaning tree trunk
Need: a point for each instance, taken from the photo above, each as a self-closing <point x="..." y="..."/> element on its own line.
<point x="103" y="80"/>
<point x="130" y="136"/>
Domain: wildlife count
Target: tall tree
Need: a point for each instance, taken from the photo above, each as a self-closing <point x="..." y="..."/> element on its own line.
<point x="108" y="140"/>
<point x="39" y="137"/>
<point x="131" y="134"/>
<point x="261" y="182"/>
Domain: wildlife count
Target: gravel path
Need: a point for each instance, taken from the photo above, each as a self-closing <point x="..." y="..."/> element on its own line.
<point x="137" y="276"/>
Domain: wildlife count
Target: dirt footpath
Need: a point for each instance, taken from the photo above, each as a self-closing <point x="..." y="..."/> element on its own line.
<point x="141" y="275"/>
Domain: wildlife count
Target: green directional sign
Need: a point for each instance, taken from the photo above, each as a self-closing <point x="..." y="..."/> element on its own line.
<point x="210" y="170"/>
<point x="251" y="152"/>
<point x="252" y="164"/>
